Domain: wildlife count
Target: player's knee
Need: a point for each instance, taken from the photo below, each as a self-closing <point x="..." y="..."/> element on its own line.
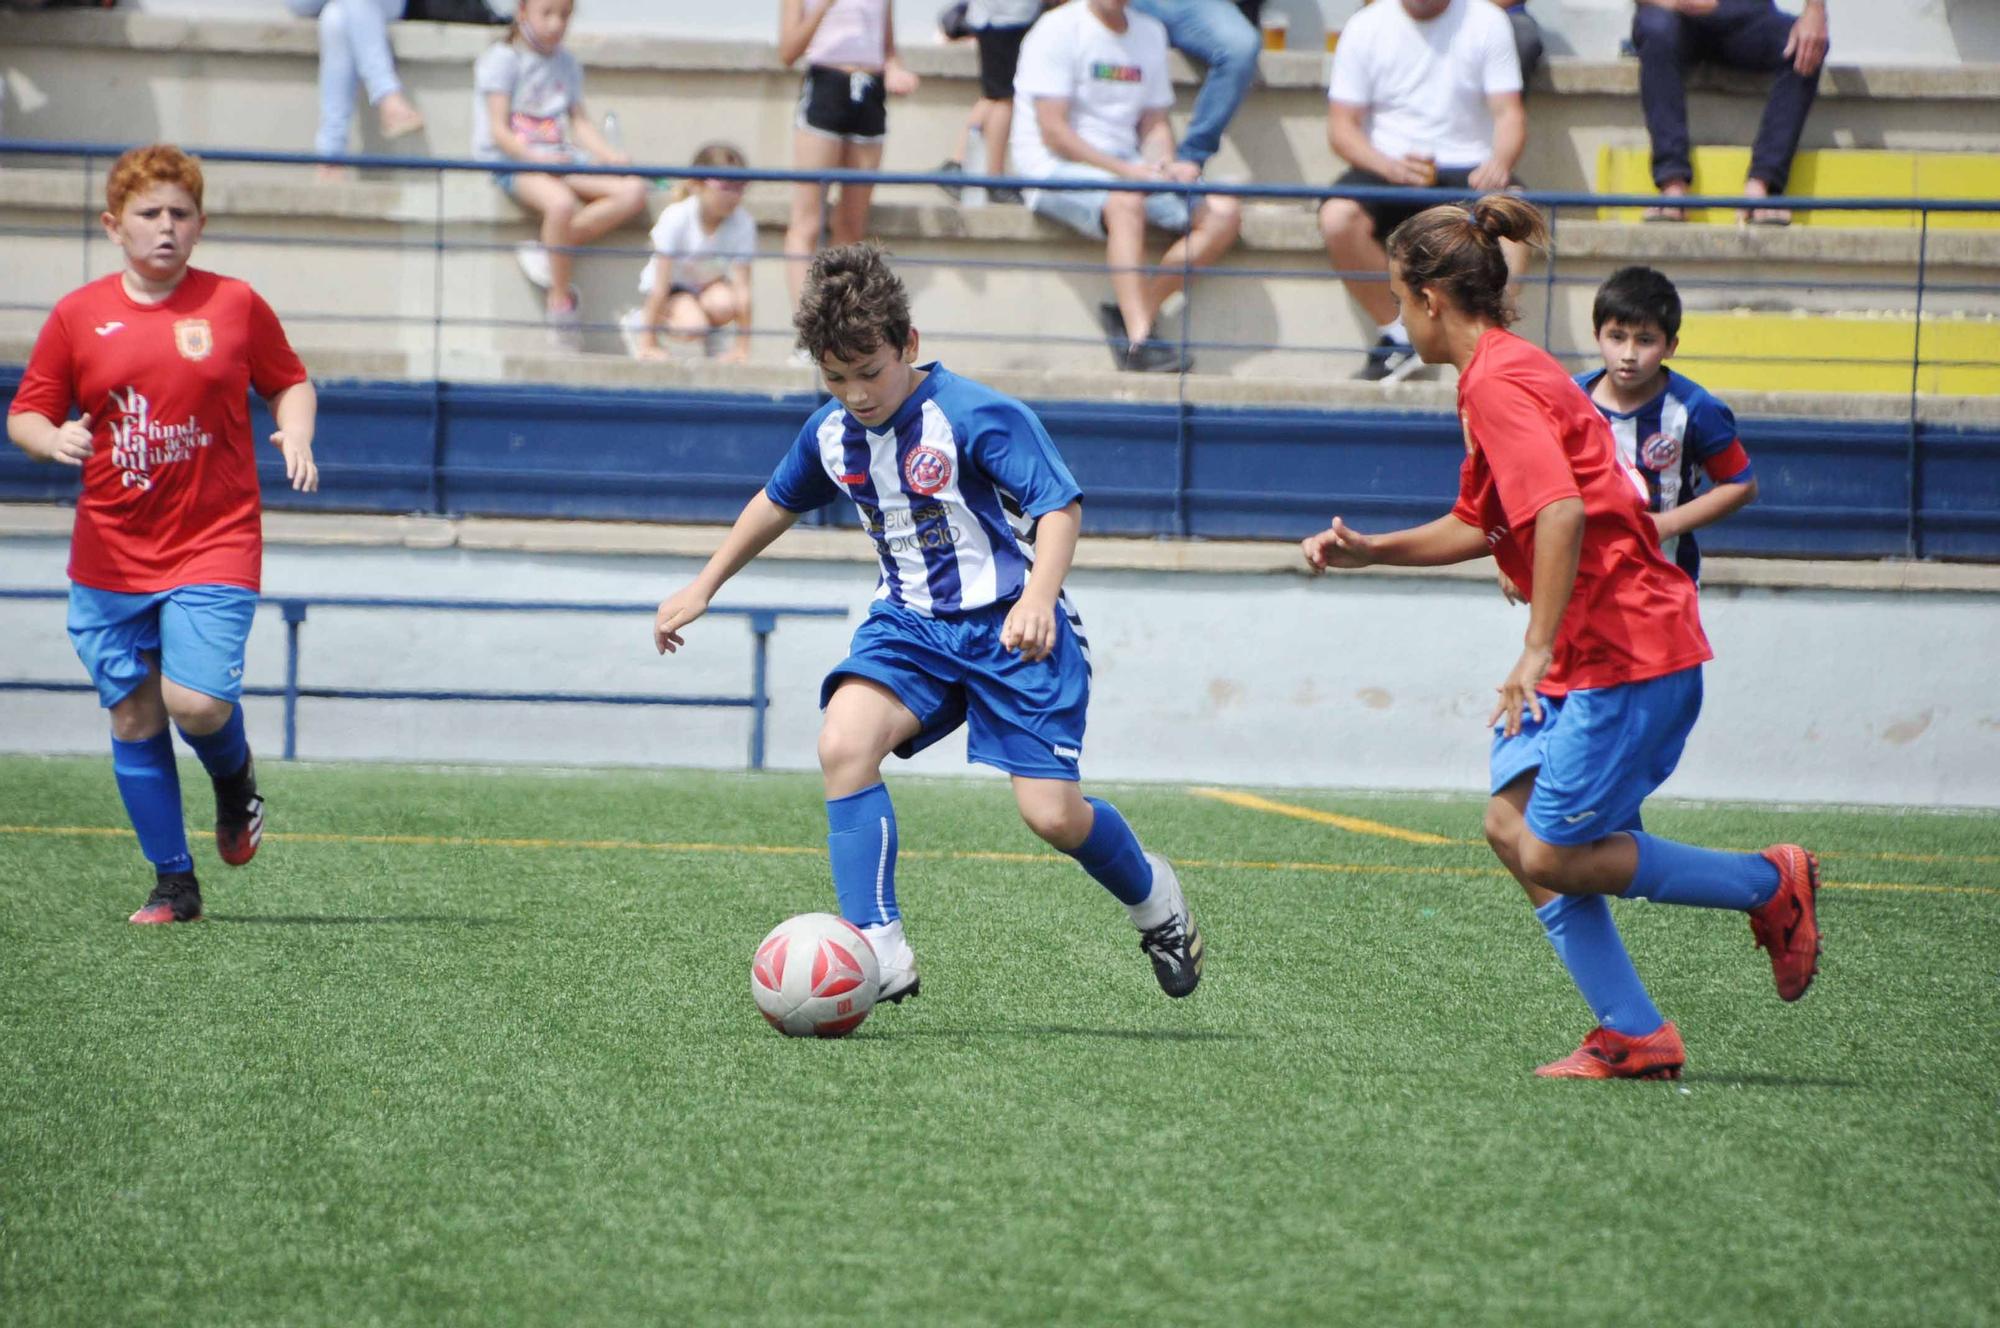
<point x="1551" y="866"/>
<point x="844" y="749"/>
<point x="1056" y="822"/>
<point x="137" y="723"/>
<point x="196" y="712"/>
<point x="1502" y="826"/>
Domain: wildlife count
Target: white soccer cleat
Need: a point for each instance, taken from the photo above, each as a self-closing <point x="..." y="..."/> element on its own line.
<point x="1171" y="941"/>
<point x="896" y="960"/>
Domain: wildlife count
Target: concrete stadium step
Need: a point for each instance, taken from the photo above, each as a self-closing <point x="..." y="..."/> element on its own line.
<point x="1829" y="173"/>
<point x="119" y="76"/>
<point x="355" y="267"/>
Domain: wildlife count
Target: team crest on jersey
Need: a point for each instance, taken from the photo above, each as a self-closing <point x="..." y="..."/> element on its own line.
<point x="193" y="338"/>
<point x="1662" y="451"/>
<point x="926" y="470"/>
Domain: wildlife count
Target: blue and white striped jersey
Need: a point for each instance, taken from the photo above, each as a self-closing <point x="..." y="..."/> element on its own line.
<point x="1682" y="441"/>
<point x="949" y="489"/>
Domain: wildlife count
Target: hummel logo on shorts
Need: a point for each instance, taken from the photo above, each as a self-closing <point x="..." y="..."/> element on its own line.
<point x="1067" y="753"/>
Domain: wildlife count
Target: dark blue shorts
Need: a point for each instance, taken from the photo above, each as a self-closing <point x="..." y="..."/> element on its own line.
<point x="1598" y="754"/>
<point x="1024" y="718"/>
<point x="196" y="634"/>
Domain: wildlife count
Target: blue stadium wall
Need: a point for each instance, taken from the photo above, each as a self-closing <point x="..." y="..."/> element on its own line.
<point x="1829" y="488"/>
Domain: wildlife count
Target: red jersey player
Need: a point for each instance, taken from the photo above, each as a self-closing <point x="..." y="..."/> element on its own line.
<point x="1593" y="716"/>
<point x="167" y="549"/>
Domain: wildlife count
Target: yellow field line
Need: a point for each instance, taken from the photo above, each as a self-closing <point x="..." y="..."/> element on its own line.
<point x="1354" y="824"/>
<point x="926" y="855"/>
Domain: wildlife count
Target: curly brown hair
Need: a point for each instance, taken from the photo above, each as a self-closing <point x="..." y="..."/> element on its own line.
<point x="1455" y="248"/>
<point x="852" y="305"/>
<point x="141" y="168"/>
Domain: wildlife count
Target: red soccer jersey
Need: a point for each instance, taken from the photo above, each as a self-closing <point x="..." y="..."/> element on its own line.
<point x="170" y="492"/>
<point x="1533" y="437"/>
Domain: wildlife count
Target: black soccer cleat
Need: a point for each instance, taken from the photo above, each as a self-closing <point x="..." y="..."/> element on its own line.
<point x="176" y="897"/>
<point x="1175" y="946"/>
<point x="239" y="815"/>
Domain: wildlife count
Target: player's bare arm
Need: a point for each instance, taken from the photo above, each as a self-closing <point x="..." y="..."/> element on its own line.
<point x="1558" y="546"/>
<point x="66" y="444"/>
<point x="761" y="522"/>
<point x="1706" y="510"/>
<point x="296" y="411"/>
<point x="1031" y="624"/>
<point x="1434" y="544"/>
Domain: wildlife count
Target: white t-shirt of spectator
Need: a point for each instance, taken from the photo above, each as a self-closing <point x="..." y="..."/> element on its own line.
<point x="1109" y="78"/>
<point x="1425" y="85"/>
<point x="539" y="88"/>
<point x="698" y="257"/>
<point x="1001" y="13"/>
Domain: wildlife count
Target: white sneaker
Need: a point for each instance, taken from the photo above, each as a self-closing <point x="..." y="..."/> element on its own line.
<point x="1167" y="933"/>
<point x="896" y="960"/>
<point x="631" y="324"/>
<point x="534" y="264"/>
<point x="565" y="328"/>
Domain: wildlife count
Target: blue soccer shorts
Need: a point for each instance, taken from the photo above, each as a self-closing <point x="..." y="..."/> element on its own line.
<point x="1598" y="754"/>
<point x="1024" y="718"/>
<point x="196" y="633"/>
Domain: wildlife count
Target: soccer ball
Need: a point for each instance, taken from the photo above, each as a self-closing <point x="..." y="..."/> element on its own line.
<point x="815" y="976"/>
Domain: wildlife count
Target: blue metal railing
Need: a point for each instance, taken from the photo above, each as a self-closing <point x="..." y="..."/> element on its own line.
<point x="763" y="621"/>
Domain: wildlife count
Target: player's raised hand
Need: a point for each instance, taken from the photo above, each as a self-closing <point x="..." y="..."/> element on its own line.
<point x="1339" y="545"/>
<point x="1517" y="693"/>
<point x="1029" y="629"/>
<point x="70" y="444"/>
<point x="299" y="467"/>
<point x="676" y="611"/>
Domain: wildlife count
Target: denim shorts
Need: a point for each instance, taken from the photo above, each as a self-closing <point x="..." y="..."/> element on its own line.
<point x="1082" y="210"/>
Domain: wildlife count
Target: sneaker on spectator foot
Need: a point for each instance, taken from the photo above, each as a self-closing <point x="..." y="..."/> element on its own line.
<point x="1174" y="946"/>
<point x="1155" y="356"/>
<point x="1787" y="924"/>
<point x="955" y="190"/>
<point x="1390" y="362"/>
<point x="631" y="324"/>
<point x="896" y="961"/>
<point x="239" y="815"/>
<point x="1608" y="1055"/>
<point x="565" y="325"/>
<point x="176" y="897"/>
<point x="1004" y="193"/>
<point x="534" y="264"/>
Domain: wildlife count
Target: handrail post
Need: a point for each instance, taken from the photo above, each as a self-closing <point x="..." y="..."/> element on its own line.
<point x="295" y="615"/>
<point x="762" y="623"/>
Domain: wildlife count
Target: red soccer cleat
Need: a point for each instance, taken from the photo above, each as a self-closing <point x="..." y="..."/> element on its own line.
<point x="1608" y="1055"/>
<point x="239" y="816"/>
<point x="1787" y="924"/>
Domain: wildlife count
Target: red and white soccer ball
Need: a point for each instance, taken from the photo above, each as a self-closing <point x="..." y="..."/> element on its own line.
<point x="815" y="975"/>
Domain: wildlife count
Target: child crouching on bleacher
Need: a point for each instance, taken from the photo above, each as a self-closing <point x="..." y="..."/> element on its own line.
<point x="698" y="278"/>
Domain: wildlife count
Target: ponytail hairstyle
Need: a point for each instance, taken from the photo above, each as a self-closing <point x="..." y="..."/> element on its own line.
<point x="711" y="154"/>
<point x="1455" y="249"/>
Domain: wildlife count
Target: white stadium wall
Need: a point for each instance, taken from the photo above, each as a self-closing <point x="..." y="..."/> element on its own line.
<point x="1371" y="682"/>
<point x="1865" y="32"/>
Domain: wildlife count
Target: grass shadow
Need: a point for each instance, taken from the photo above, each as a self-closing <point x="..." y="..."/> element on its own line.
<point x="1728" y="1080"/>
<point x="329" y="920"/>
<point x="1071" y="1031"/>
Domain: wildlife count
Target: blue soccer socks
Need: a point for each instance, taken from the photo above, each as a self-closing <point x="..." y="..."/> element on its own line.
<point x="223" y="752"/>
<point x="1671" y="873"/>
<point x="1587" y="942"/>
<point x="1111" y="854"/>
<point x="151" y="788"/>
<point x="861" y="840"/>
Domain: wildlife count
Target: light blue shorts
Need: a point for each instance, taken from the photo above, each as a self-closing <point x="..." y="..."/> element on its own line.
<point x="1083" y="209"/>
<point x="195" y="634"/>
<point x="1024" y="718"/>
<point x="1598" y="754"/>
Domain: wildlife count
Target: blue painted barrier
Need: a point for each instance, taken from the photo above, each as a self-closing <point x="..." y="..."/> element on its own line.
<point x="763" y="622"/>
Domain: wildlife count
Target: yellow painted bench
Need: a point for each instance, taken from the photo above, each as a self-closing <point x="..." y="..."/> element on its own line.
<point x="1839" y="354"/>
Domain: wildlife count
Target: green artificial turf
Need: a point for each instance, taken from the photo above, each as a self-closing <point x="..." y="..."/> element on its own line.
<point x="404" y="1074"/>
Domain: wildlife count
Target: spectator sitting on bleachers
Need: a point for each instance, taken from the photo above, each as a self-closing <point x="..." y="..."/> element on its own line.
<point x="354" y="44"/>
<point x="528" y="106"/>
<point x="698" y="278"/>
<point x="1671" y="35"/>
<point x="1222" y="37"/>
<point x="999" y="27"/>
<point x="851" y="70"/>
<point x="1527" y="36"/>
<point x="1424" y="92"/>
<point x="1094" y="77"/>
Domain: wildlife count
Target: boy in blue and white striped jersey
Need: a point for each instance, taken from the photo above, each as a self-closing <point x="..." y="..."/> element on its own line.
<point x="975" y="519"/>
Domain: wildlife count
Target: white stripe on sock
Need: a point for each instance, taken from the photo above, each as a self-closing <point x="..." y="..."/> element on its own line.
<point x="882" y="874"/>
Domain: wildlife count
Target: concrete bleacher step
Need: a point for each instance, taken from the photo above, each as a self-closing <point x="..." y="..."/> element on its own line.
<point x="1825" y="173"/>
